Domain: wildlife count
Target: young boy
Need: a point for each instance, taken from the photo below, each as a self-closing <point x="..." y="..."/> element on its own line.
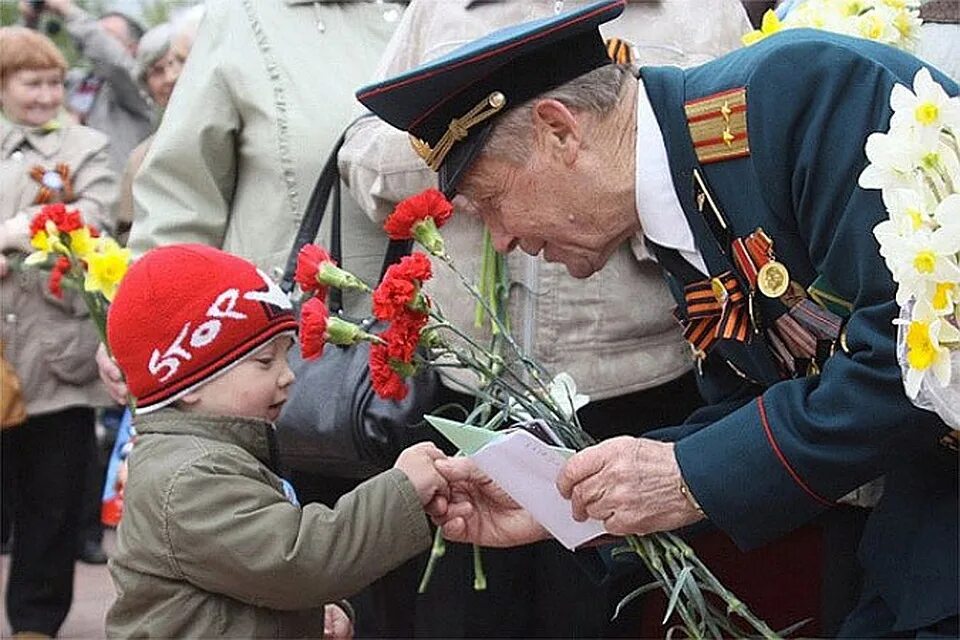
<point x="212" y="541"/>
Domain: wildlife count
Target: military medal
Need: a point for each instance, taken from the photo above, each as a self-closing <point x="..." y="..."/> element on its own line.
<point x="773" y="279"/>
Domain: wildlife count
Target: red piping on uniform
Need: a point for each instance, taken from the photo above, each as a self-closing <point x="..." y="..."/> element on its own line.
<point x="483" y="56"/>
<point x="783" y="459"/>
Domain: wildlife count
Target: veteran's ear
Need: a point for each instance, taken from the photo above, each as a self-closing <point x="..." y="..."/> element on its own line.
<point x="558" y="131"/>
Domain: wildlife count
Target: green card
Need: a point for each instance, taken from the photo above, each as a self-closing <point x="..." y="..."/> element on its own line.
<point x="470" y="439"/>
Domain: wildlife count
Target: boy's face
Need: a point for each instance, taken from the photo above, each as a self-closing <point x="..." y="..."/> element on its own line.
<point x="256" y="387"/>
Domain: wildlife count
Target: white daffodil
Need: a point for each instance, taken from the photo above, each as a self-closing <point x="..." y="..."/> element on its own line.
<point x="893" y="157"/>
<point x="563" y="391"/>
<point x="925" y="335"/>
<point x="907" y="23"/>
<point x="942" y="297"/>
<point x="920" y="258"/>
<point x="947" y="213"/>
<point x="927" y="108"/>
<point x="909" y="210"/>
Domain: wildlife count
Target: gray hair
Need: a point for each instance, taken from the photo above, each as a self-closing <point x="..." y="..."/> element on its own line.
<point x="153" y="45"/>
<point x="186" y="23"/>
<point x="596" y="92"/>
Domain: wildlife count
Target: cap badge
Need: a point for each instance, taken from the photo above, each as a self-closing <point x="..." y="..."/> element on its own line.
<point x="458" y="130"/>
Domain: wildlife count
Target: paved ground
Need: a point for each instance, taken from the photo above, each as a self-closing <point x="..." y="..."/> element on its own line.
<point x="92" y="595"/>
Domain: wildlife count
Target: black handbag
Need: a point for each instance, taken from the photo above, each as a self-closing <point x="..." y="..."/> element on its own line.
<point x="333" y="423"/>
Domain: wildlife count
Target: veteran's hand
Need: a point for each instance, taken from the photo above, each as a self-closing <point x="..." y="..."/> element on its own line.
<point x="336" y="623"/>
<point x="417" y="462"/>
<point x="111" y="376"/>
<point x="481" y="512"/>
<point x="631" y="484"/>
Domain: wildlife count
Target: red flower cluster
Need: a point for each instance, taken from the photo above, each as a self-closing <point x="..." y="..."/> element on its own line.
<point x="309" y="262"/>
<point x="60" y="268"/>
<point x="66" y="220"/>
<point x="313" y="328"/>
<point x="392" y="301"/>
<point x="400" y="286"/>
<point x="429" y="204"/>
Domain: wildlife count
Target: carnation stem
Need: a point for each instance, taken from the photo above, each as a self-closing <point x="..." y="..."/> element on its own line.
<point x="479" y="577"/>
<point x="437" y="550"/>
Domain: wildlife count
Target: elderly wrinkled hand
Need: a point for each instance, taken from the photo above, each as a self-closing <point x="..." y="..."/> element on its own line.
<point x="479" y="511"/>
<point x="631" y="484"/>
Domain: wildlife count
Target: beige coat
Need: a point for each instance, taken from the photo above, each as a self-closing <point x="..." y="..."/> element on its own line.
<point x="52" y="342"/>
<point x="613" y="332"/>
<point x="263" y="97"/>
<point x="209" y="546"/>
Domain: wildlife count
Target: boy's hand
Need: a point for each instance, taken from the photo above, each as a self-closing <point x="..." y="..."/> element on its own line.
<point x="336" y="623"/>
<point x="417" y="463"/>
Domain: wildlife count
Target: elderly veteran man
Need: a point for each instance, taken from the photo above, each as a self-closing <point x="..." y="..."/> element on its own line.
<point x="757" y="153"/>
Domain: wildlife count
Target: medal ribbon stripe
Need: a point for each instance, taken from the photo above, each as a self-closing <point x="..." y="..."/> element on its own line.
<point x="716" y="310"/>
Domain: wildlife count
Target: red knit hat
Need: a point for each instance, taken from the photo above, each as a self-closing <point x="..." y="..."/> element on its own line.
<point x="184" y="314"/>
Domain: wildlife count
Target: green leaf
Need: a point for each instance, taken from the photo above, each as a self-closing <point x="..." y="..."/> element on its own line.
<point x="633" y="595"/>
<point x="677" y="590"/>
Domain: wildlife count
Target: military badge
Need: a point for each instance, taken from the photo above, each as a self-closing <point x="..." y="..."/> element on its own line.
<point x="718" y="126"/>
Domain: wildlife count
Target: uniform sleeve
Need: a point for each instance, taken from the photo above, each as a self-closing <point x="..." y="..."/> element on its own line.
<point x="775" y="463"/>
<point x="110" y="60"/>
<point x="230" y="532"/>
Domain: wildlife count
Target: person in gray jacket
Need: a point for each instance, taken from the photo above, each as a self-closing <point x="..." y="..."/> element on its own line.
<point x="108" y="96"/>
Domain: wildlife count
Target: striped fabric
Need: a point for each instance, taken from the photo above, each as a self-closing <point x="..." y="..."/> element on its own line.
<point x="716" y="309"/>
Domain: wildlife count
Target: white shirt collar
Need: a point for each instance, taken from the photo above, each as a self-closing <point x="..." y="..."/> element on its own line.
<point x="661" y="217"/>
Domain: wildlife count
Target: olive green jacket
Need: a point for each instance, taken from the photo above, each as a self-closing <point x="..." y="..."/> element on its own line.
<point x="209" y="544"/>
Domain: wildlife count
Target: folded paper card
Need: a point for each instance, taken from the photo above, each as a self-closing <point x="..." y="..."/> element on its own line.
<point x="527" y="469"/>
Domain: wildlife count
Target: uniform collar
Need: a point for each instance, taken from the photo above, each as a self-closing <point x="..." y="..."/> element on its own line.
<point x="256" y="437"/>
<point x="666" y="90"/>
<point x="662" y="220"/>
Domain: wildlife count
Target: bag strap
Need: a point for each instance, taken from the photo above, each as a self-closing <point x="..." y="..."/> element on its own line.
<point x="329" y="185"/>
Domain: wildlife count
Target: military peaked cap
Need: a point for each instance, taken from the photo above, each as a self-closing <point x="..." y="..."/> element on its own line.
<point x="448" y="105"/>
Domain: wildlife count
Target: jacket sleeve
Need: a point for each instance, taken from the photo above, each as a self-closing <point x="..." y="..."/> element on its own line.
<point x="230" y="531"/>
<point x="776" y="462"/>
<point x="110" y="60"/>
<point x="183" y="190"/>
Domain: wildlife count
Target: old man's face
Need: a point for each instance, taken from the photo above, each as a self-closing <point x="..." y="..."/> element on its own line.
<point x="545" y="209"/>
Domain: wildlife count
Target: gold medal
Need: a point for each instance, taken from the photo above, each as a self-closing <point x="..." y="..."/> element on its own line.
<point x="773" y="279"/>
<point x="719" y="291"/>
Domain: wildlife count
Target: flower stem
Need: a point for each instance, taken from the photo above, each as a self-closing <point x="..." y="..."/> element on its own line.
<point x="437" y="550"/>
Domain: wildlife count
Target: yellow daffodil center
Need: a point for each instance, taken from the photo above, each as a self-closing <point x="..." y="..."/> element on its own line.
<point x="871" y="27"/>
<point x="926" y="113"/>
<point x="921" y="352"/>
<point x="853" y="8"/>
<point x="941" y="297"/>
<point x="931" y="160"/>
<point x="925" y="261"/>
<point x="903" y="24"/>
<point x="896" y="4"/>
<point x="916" y="217"/>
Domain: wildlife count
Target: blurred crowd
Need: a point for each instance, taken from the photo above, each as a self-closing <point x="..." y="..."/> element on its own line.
<point x="213" y="128"/>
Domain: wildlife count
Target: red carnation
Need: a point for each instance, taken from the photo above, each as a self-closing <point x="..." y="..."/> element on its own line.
<point x="403" y="335"/>
<point x="60" y="268"/>
<point x="313" y="328"/>
<point x="416" y="266"/>
<point x="386" y="382"/>
<point x="418" y="217"/>
<point x="309" y="261"/>
<point x="71" y="221"/>
<point x="392" y="296"/>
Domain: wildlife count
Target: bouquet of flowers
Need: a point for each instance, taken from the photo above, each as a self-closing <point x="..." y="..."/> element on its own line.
<point x="893" y="22"/>
<point x="79" y="257"/>
<point x="511" y="387"/>
<point x="916" y="165"/>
